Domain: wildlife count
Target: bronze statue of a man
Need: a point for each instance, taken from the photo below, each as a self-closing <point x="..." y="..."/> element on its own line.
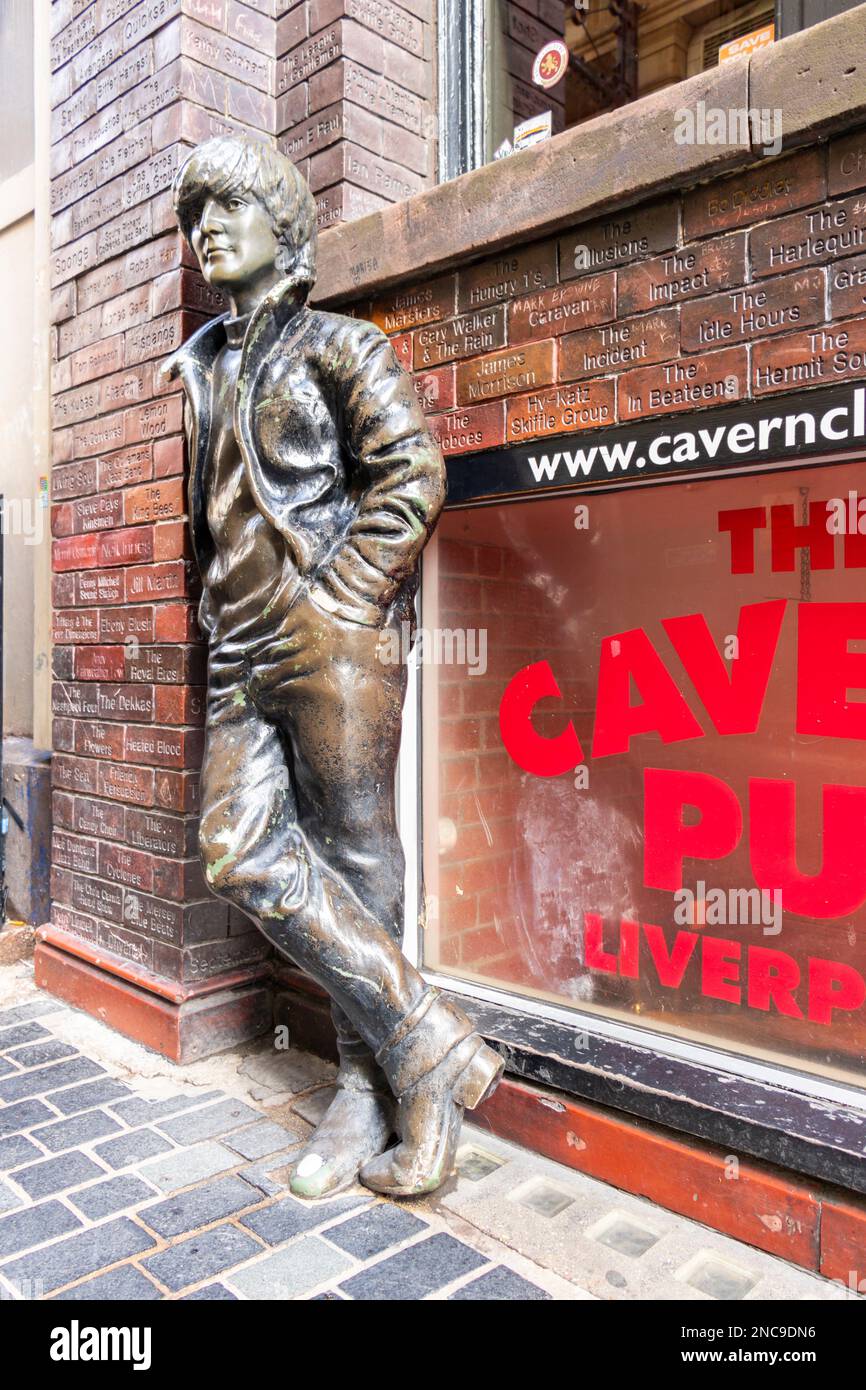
<point x="314" y="486"/>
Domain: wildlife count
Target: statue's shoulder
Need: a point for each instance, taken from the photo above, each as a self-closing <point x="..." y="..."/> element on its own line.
<point x="344" y="327"/>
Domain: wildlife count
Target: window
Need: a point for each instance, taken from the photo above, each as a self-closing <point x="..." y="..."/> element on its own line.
<point x="696" y="868"/>
<point x="16" y="90"/>
<point x="614" y="52"/>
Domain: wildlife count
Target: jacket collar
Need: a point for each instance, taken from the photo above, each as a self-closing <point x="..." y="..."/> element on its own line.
<point x="283" y="302"/>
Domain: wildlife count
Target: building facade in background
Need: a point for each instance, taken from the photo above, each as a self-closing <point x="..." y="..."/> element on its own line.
<point x="633" y="784"/>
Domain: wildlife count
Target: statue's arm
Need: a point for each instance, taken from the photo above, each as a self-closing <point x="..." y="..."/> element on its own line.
<point x="402" y="474"/>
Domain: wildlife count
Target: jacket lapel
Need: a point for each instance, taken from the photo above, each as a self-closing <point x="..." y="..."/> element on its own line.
<point x="193" y="364"/>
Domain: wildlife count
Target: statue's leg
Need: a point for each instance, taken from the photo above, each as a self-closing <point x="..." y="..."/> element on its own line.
<point x="347" y="810"/>
<point x="328" y="680"/>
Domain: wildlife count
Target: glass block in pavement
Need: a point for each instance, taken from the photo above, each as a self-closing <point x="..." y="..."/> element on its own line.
<point x="718" y="1277"/>
<point x="81" y="1129"/>
<point x="290" y="1272"/>
<point x="137" y="1111"/>
<point x="56" y="1174"/>
<point x="284" y="1220"/>
<point x="23" y="1115"/>
<point x="15" y="1151"/>
<point x="126" y="1284"/>
<point x="38" y="1054"/>
<point x="210" y="1294"/>
<point x="133" y="1147"/>
<point x="199" y="1207"/>
<point x="23" y="1229"/>
<point x="7" y="1068"/>
<point x="209" y="1123"/>
<point x="115" y="1194"/>
<point x="500" y="1285"/>
<point x="195" y="1259"/>
<point x="258" y="1141"/>
<point x="183" y="1167"/>
<point x="34" y="1083"/>
<point x="373" y="1231"/>
<point x="416" y="1272"/>
<point x="86" y="1096"/>
<point x="21" y="1033"/>
<point x="78" y="1255"/>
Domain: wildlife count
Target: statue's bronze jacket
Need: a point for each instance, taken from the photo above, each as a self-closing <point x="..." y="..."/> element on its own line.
<point x="336" y="450"/>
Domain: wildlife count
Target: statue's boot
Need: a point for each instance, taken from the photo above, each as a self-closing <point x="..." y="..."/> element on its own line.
<point x="355" y="1128"/>
<point x="437" y="1067"/>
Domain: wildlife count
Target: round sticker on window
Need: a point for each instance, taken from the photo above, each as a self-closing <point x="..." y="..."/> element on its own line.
<point x="551" y="63"/>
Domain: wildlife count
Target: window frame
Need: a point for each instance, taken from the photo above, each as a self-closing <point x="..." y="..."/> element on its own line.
<point x="764" y="1109"/>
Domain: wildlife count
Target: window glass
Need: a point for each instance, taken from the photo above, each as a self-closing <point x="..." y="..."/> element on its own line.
<point x="16" y="88"/>
<point x="697" y="866"/>
<point x="617" y="51"/>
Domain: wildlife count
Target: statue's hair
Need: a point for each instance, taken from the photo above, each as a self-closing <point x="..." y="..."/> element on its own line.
<point x="231" y="165"/>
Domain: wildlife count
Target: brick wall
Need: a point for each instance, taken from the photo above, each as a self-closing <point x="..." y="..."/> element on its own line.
<point x="354" y="108"/>
<point x="134" y="86"/>
<point x="746" y="286"/>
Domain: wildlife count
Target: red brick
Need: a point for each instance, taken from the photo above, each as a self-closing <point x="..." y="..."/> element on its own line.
<point x="512" y="274"/>
<point x="618" y="239"/>
<point x="100" y="663"/>
<point x="96" y="740"/>
<point x="176" y="791"/>
<point x="75" y="552"/>
<point x="468" y="431"/>
<point x="561" y="409"/>
<point x="847" y="163"/>
<point x="435" y="389"/>
<point x="129" y="867"/>
<point x="74" y="774"/>
<point x="713" y="379"/>
<point x="755" y="311"/>
<point x="628" y="343"/>
<point x="565" y="307"/>
<point x="129" y="546"/>
<point x="104" y="819"/>
<point x="168" y="457"/>
<point x="121" y="782"/>
<point x="505" y="373"/>
<point x="99" y="513"/>
<point x="154" y="501"/>
<point x="147" y="583"/>
<point x="762" y="191"/>
<point x="180" y="704"/>
<point x="836" y="353"/>
<point x="410" y="307"/>
<point x="682" y="274"/>
<point x="74" y="479"/>
<point x="824" y="233"/>
<point x="126" y="466"/>
<point x="175" y="622"/>
<point x="466" y="336"/>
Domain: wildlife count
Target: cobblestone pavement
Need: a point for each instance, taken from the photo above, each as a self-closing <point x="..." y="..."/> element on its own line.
<point x="124" y="1176"/>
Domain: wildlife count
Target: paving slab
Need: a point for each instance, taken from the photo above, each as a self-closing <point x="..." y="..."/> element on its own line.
<point x="291" y="1272"/>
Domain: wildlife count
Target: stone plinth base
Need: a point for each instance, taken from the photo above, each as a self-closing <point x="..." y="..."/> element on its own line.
<point x="183" y="1025"/>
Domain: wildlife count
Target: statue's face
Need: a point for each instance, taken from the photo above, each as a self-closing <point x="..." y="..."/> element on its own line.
<point x="234" y="241"/>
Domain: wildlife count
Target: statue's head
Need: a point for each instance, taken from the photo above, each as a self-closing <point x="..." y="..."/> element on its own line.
<point x="245" y="211"/>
